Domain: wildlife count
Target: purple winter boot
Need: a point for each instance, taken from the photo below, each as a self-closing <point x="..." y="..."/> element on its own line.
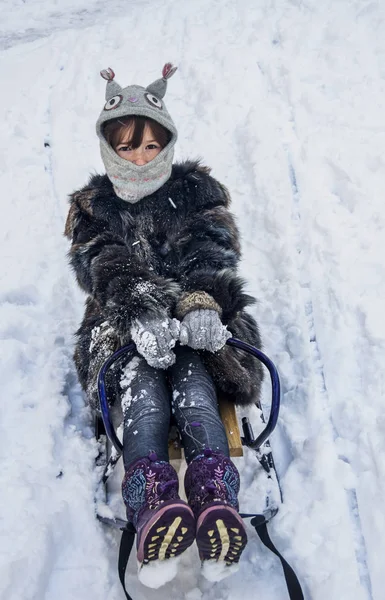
<point x="212" y="486"/>
<point x="165" y="524"/>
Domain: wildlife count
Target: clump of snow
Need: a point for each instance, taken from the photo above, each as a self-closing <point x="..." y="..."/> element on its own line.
<point x="154" y="338"/>
<point x="216" y="570"/>
<point x="130" y="371"/>
<point x="104" y="330"/>
<point x="126" y="400"/>
<point x="158" y="572"/>
<point x="128" y="375"/>
<point x="119" y="433"/>
<point x="194" y="594"/>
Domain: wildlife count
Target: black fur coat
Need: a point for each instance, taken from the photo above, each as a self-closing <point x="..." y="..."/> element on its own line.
<point x="155" y="255"/>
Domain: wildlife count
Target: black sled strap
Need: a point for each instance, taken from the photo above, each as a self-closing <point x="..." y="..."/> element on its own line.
<point x="293" y="585"/>
<point x="126" y="542"/>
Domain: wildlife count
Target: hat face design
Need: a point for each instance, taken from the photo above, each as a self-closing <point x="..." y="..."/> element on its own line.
<point x="137" y="100"/>
<point x="113" y="102"/>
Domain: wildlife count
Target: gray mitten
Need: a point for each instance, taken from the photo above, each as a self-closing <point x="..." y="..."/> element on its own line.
<point x="202" y="329"/>
<point x="155" y="336"/>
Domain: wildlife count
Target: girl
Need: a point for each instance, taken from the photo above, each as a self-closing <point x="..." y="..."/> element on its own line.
<point x="156" y="250"/>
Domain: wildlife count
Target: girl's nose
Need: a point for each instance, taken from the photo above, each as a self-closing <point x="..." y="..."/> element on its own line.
<point x="138" y="158"/>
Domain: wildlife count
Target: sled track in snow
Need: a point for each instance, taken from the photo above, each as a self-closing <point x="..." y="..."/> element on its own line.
<point x="45" y="24"/>
<point x="317" y="361"/>
<point x="71" y="389"/>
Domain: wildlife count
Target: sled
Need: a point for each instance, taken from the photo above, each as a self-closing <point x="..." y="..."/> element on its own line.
<point x="104" y="429"/>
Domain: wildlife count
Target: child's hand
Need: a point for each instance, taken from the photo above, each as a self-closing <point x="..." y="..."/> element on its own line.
<point x="155" y="336"/>
<point x="202" y="329"/>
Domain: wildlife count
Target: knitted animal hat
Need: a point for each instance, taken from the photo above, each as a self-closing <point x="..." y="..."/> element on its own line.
<point x="132" y="182"/>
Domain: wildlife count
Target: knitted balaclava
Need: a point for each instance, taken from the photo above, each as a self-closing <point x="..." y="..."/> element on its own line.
<point x="132" y="182"/>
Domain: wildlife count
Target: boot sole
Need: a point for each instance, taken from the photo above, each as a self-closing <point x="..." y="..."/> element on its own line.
<point x="221" y="535"/>
<point x="167" y="534"/>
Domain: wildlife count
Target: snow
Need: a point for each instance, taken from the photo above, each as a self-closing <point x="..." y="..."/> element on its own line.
<point x="215" y="571"/>
<point x="128" y="375"/>
<point x="158" y="572"/>
<point x="285" y="100"/>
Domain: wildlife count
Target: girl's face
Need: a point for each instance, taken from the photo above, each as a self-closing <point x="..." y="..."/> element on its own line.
<point x="147" y="151"/>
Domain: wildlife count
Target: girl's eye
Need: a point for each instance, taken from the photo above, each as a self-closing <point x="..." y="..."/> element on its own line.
<point x="125" y="148"/>
<point x="113" y="102"/>
<point x="152" y="147"/>
<point x="153" y="100"/>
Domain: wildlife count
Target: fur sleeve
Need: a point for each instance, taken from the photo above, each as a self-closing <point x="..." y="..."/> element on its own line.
<point x="107" y="270"/>
<point x="210" y="250"/>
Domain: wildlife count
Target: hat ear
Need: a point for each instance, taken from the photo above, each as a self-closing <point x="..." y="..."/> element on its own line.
<point x="113" y="88"/>
<point x="159" y="87"/>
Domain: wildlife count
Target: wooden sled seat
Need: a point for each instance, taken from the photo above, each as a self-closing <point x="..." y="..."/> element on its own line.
<point x="230" y="421"/>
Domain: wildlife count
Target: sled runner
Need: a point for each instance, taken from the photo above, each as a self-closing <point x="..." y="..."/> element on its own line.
<point x="267" y="477"/>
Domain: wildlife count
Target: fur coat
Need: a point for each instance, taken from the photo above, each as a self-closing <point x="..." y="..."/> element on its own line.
<point x="177" y="249"/>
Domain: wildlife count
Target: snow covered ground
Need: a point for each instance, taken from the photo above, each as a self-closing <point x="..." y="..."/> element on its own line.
<point x="285" y="99"/>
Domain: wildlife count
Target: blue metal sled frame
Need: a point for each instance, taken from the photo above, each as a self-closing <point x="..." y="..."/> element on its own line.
<point x="265" y="458"/>
<point x="247" y="441"/>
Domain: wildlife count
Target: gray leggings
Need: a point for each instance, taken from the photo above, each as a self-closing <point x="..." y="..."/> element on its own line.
<point x="186" y="391"/>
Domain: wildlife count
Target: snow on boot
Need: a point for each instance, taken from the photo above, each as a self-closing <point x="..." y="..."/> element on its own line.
<point x="165" y="524"/>
<point x="212" y="486"/>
